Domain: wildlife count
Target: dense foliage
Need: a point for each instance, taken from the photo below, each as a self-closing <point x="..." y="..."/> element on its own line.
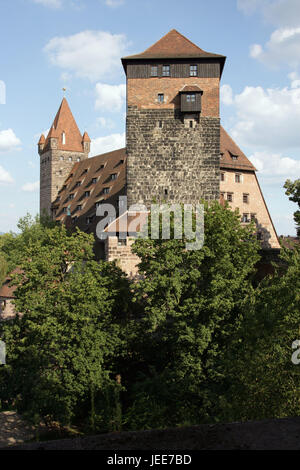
<point x="193" y="340"/>
<point x="293" y="190"/>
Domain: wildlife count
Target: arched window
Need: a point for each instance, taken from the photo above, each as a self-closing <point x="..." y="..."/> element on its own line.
<point x="63" y="138"/>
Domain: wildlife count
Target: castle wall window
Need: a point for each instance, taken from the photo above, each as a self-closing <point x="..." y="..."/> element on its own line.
<point x="61" y="158"/>
<point x="245" y="218"/>
<point x="70" y="159"/>
<point x="222" y="176"/>
<point x="154" y="71"/>
<point x="63" y="138"/>
<point x="230" y="197"/>
<point x="160" y="124"/>
<point x="253" y="217"/>
<point x="78" y="159"/>
<point x="160" y="97"/>
<point x="238" y="178"/>
<point x="193" y="70"/>
<point x="166" y="71"/>
<point x="245" y="198"/>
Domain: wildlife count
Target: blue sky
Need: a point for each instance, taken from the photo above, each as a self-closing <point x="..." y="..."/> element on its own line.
<point x="50" y="44"/>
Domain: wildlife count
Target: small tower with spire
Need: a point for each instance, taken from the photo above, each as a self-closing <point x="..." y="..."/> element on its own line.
<point x="59" y="152"/>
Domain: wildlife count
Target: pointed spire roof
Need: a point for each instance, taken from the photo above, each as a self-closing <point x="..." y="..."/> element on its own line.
<point x="64" y="123"/>
<point x="173" y="45"/>
<point x="42" y="139"/>
<point x="86" y="137"/>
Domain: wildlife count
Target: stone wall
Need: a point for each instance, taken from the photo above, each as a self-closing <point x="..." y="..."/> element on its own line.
<point x="122" y="254"/>
<point x="55" y="166"/>
<point x="7" y="308"/>
<point x="168" y="159"/>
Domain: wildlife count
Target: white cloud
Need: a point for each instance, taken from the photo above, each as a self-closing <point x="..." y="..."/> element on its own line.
<point x="107" y="143"/>
<point x="114" y="3"/>
<point x="31" y="187"/>
<point x="5" y="177"/>
<point x="105" y="122"/>
<point x="50" y="3"/>
<point x="88" y="54"/>
<point x="275" y="165"/>
<point x="8" y="140"/>
<point x="110" y="97"/>
<point x="282" y="48"/>
<point x="268" y="119"/>
<point x="226" y="94"/>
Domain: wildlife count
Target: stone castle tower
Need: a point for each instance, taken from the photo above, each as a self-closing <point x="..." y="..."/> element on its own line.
<point x="63" y="146"/>
<point x="173" y="122"/>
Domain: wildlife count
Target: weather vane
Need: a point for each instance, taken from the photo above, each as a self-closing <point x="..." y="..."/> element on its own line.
<point x="64" y="90"/>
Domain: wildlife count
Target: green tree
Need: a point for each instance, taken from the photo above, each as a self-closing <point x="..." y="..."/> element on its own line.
<point x="62" y="351"/>
<point x="3" y="268"/>
<point x="264" y="382"/>
<point x="191" y="303"/>
<point x="293" y="190"/>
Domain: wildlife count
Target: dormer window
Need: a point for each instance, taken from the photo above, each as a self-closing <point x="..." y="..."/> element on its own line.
<point x="160" y="97"/>
<point x="79" y="207"/>
<point x="114" y="176"/>
<point x="190" y="98"/>
<point x="106" y="190"/>
<point x="87" y="193"/>
<point x="78" y="183"/>
<point x="234" y="157"/>
<point x="71" y="196"/>
<point x="94" y="180"/>
<point x="166" y="71"/>
<point x="63" y="138"/>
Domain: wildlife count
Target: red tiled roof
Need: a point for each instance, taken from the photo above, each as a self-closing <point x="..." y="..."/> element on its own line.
<point x="188" y="88"/>
<point x="64" y="122"/>
<point x="86" y="194"/>
<point x="173" y="45"/>
<point x="7" y="290"/>
<point x="230" y="150"/>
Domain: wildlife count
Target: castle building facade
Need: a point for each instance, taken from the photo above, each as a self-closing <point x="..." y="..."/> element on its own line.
<point x="176" y="150"/>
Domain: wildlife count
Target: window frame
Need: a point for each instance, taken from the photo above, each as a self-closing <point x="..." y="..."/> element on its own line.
<point x="193" y="70"/>
<point x="166" y="70"/>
